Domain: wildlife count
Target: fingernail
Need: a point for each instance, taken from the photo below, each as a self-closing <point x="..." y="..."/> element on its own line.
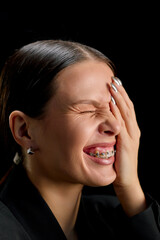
<point x="114" y="87"/>
<point x="113" y="101"/>
<point x="117" y="81"/>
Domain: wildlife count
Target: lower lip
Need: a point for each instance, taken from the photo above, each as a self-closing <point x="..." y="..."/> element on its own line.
<point x="101" y="161"/>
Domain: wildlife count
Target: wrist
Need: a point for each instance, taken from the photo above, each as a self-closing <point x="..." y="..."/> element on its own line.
<point x="132" y="198"/>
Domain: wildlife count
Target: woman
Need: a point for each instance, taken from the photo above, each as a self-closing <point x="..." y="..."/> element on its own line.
<point x="72" y="124"/>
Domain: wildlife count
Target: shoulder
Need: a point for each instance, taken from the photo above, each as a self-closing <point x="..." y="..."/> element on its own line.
<point x="10" y="228"/>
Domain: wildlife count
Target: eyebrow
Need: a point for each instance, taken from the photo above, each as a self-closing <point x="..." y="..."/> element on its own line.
<point x="88" y="101"/>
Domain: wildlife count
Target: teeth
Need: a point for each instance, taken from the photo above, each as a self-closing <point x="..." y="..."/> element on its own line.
<point x="104" y="155"/>
<point x="97" y="154"/>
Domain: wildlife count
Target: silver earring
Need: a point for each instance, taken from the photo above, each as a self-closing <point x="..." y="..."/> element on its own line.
<point x="17" y="159"/>
<point x="30" y="151"/>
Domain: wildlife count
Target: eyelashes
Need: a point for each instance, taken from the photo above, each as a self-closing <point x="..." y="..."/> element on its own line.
<point x="88" y="111"/>
<point x="96" y="112"/>
<point x="101" y="111"/>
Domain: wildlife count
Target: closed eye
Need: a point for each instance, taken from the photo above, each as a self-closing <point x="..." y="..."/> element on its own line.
<point x="90" y="111"/>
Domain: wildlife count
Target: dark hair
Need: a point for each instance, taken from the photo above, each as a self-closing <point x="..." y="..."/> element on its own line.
<point x="25" y="83"/>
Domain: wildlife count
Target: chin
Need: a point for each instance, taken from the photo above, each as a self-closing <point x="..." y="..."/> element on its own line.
<point x="102" y="177"/>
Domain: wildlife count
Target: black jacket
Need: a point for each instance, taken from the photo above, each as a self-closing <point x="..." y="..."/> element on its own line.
<point x="24" y="215"/>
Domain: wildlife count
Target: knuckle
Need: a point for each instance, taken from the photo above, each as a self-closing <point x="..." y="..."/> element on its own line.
<point x="139" y="133"/>
<point x="122" y="123"/>
<point x="128" y="114"/>
<point x="131" y="105"/>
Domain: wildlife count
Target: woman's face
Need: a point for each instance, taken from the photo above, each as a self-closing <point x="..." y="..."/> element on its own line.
<point x="76" y="138"/>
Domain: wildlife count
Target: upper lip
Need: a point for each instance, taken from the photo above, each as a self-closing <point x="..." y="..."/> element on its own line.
<point x="105" y="145"/>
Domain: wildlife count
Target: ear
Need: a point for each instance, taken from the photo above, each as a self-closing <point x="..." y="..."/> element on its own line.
<point x="19" y="124"/>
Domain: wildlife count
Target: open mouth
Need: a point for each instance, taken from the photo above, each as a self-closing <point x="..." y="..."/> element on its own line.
<point x="104" y="151"/>
<point x="103" y="155"/>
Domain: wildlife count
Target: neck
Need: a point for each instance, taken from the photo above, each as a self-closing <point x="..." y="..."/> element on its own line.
<point x="63" y="199"/>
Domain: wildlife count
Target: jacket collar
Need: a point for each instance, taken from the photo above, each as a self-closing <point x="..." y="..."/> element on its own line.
<point x="26" y="203"/>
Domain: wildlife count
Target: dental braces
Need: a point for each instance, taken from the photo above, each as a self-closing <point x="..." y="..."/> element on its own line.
<point x="104" y="155"/>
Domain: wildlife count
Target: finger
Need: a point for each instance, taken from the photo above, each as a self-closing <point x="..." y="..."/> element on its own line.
<point x="123" y="132"/>
<point x="122" y="91"/>
<point x="114" y="109"/>
<point x="118" y="85"/>
<point x="125" y="111"/>
<point x="125" y="107"/>
<point x="117" y="82"/>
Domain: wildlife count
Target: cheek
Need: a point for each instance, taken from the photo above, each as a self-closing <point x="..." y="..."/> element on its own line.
<point x="75" y="133"/>
<point x="67" y="135"/>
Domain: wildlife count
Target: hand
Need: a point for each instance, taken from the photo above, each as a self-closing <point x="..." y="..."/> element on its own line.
<point x="126" y="185"/>
<point x="128" y="140"/>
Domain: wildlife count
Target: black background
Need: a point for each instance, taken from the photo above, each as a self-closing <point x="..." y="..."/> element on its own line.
<point x="128" y="34"/>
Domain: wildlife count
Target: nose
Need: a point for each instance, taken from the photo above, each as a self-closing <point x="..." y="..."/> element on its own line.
<point x="110" y="126"/>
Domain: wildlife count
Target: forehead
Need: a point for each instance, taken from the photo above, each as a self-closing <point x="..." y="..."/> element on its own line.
<point x="85" y="80"/>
